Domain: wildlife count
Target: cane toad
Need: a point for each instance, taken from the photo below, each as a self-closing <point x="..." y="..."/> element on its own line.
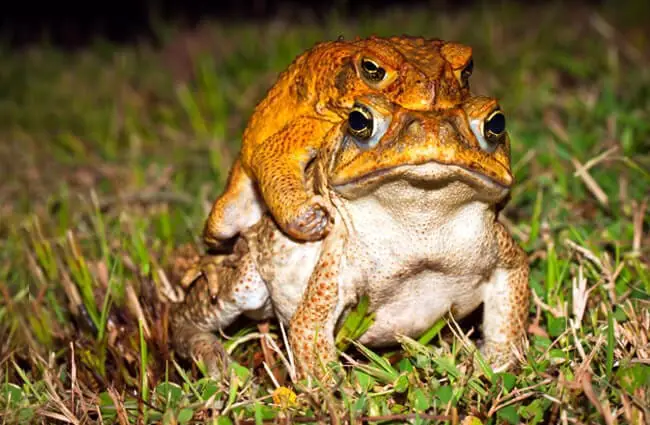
<point x="314" y="94"/>
<point x="415" y="229"/>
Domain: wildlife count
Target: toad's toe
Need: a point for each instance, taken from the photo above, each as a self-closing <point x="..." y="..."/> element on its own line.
<point x="205" y="347"/>
<point x="500" y="357"/>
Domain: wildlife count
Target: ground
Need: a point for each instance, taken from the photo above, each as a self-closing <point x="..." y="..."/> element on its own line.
<point x="110" y="157"/>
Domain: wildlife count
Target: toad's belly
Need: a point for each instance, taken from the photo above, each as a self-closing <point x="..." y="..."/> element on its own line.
<point x="417" y="303"/>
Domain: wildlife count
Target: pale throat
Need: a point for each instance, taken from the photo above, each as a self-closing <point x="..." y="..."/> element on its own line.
<point x="417" y="206"/>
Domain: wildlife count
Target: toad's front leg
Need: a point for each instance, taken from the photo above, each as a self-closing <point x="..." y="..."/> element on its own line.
<point x="505" y="300"/>
<point x="279" y="165"/>
<point x="313" y="324"/>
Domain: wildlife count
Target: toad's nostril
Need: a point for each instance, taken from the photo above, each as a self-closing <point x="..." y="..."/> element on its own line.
<point x="414" y="129"/>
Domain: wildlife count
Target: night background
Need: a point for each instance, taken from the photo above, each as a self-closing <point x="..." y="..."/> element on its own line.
<point x="71" y="25"/>
<point x="118" y="125"/>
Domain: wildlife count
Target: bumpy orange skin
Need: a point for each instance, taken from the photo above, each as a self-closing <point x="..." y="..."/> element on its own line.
<point x="309" y="99"/>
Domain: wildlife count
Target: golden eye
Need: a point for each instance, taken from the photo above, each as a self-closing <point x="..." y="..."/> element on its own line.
<point x="372" y="71"/>
<point x="466" y="73"/>
<point x="360" y="124"/>
<point x="494" y="127"/>
<point x="490" y="131"/>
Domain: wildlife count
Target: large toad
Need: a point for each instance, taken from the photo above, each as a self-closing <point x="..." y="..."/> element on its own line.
<point x="315" y="94"/>
<point x="415" y="229"/>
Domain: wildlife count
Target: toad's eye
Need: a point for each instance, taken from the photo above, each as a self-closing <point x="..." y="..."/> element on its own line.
<point x="491" y="131"/>
<point x="495" y="127"/>
<point x="360" y="122"/>
<point x="372" y="72"/>
<point x="466" y="73"/>
<point x="366" y="127"/>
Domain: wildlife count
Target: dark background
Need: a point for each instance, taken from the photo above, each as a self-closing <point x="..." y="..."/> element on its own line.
<point x="72" y="25"/>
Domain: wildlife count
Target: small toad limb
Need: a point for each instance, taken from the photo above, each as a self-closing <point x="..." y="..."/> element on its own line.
<point x="235" y="288"/>
<point x="505" y="303"/>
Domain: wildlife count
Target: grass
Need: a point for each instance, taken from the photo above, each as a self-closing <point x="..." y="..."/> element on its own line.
<point x="111" y="156"/>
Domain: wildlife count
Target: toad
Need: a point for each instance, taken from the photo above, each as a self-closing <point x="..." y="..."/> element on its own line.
<point x="416" y="230"/>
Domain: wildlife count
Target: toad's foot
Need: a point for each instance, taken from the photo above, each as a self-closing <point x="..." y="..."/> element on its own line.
<point x="312" y="221"/>
<point x="500" y="357"/>
<point x="206" y="348"/>
<point x="208" y="267"/>
<point x="279" y="165"/>
<point x="218" y="269"/>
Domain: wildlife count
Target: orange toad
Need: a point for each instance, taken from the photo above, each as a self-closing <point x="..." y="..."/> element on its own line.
<point x="313" y="95"/>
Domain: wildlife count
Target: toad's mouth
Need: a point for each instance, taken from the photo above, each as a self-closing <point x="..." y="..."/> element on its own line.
<point x="431" y="171"/>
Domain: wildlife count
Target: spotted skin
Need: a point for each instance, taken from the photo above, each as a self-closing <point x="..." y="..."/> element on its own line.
<point x="313" y="95"/>
<point x="312" y="326"/>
